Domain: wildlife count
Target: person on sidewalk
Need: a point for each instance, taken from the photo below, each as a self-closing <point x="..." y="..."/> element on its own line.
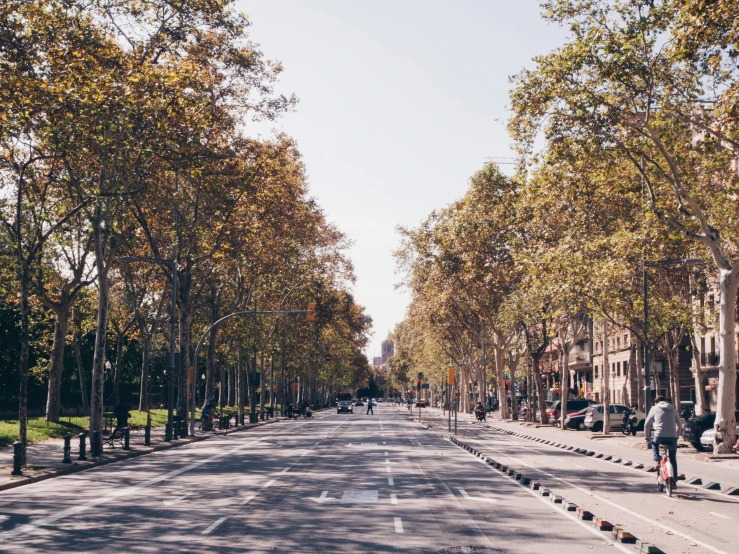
<point x="369" y="407"/>
<point x="121" y="414"/>
<point x="663" y="426"/>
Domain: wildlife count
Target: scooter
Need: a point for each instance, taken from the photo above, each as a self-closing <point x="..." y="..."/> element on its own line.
<point x="628" y="427"/>
<point x="480" y="414"/>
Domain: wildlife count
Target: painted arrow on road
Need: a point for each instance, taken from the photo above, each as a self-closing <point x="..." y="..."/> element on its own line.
<point x="176" y="500"/>
<point x="478" y="499"/>
<point x="322" y="499"/>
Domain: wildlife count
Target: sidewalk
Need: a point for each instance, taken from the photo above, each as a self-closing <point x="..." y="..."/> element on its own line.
<point x="44" y="459"/>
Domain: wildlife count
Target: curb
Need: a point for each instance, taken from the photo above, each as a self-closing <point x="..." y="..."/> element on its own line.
<point x="728" y="491"/>
<point x="76" y="468"/>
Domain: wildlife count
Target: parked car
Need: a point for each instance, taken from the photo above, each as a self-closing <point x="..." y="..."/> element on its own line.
<point x="359" y="403"/>
<point x="345" y="406"/>
<point x="577" y="420"/>
<point x="695" y="427"/>
<point x="573" y="406"/>
<point x="706" y="440"/>
<point x="594" y="416"/>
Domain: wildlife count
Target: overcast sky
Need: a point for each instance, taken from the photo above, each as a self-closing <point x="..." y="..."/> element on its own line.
<point x="400" y="103"/>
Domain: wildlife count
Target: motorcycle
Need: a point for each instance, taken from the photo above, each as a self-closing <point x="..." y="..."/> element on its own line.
<point x="629" y="425"/>
<point x="480" y="414"/>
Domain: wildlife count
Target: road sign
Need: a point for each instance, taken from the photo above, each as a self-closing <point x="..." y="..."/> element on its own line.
<point x="451" y="376"/>
<point x="425" y="386"/>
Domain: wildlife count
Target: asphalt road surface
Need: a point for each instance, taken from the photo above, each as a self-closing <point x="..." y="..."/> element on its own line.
<point x="336" y="483"/>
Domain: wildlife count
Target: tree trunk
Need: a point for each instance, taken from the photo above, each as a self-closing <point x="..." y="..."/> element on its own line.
<point x="564" y="383"/>
<point x="606" y="382"/>
<point x="98" y="360"/>
<point x="221" y="384"/>
<point x="117" y="370"/>
<point x="512" y="378"/>
<point x="499" y="353"/>
<point x="81" y="372"/>
<point x="53" y="398"/>
<point x="539" y="393"/>
<point x="240" y="386"/>
<point x="726" y="403"/>
<point x="183" y="392"/>
<point x="210" y="367"/>
<point x="640" y="376"/>
<point x="231" y="385"/>
<point x="272" y="382"/>
<point x="144" y="391"/>
<point x="261" y="384"/>
<point x="23" y="368"/>
<point x="699" y="378"/>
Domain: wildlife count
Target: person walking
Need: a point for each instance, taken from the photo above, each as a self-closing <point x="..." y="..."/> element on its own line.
<point x="369" y="407"/>
<point x="663" y="426"/>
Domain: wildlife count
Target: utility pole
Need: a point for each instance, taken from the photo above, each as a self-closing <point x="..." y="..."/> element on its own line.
<point x="173" y="320"/>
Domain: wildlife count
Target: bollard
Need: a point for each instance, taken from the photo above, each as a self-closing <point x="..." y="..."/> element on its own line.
<point x="147" y="435"/>
<point x="17" y="455"/>
<point x="126" y="438"/>
<point x="184" y="430"/>
<point x="82" y="455"/>
<point x="176" y="430"/>
<point x="96" y="445"/>
<point x="67" y="449"/>
<point x="167" y="432"/>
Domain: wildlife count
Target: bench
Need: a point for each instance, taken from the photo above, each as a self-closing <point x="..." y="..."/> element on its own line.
<point x="115" y="436"/>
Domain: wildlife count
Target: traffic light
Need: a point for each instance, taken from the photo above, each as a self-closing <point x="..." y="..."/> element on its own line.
<point x="419" y="383"/>
<point x="506" y="385"/>
<point x="311" y="315"/>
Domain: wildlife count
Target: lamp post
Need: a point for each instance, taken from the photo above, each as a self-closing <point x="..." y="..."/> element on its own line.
<point x="647" y="343"/>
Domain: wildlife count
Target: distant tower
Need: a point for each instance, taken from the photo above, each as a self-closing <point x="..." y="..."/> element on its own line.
<point x="388" y="350"/>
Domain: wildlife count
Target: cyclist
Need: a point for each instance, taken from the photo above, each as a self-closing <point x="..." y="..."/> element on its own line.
<point x="208" y="411"/>
<point x="663" y="426"/>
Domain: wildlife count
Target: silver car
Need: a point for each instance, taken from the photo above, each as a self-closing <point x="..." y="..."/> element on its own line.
<point x="594" y="416"/>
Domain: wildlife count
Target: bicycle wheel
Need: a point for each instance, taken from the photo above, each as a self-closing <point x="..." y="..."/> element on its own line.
<point x="199" y="428"/>
<point x="668" y="486"/>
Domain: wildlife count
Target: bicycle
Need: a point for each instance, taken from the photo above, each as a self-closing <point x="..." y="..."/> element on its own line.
<point x="201" y="426"/>
<point x="665" y="472"/>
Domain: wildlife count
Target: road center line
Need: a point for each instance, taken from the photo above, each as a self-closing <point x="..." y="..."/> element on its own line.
<point x="398" y="525"/>
<point x="719" y="515"/>
<point x="214" y="525"/>
<point x="285" y="470"/>
<point x="268" y="484"/>
<point x="247" y="500"/>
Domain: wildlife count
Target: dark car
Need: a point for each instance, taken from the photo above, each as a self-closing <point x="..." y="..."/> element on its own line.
<point x="574" y="405"/>
<point x="695" y="426"/>
<point x="359" y="403"/>
<point x="345" y="406"/>
<point x="576" y="420"/>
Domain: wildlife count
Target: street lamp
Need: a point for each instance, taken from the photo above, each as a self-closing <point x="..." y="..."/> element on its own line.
<point x="647" y="344"/>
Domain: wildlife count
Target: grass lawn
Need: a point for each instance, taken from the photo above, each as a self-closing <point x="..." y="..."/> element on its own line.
<point x="39" y="430"/>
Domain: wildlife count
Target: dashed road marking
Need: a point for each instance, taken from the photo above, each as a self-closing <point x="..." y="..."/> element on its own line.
<point x="268" y="484"/>
<point x="393" y="499"/>
<point x="390" y="481"/>
<point x="389" y="469"/>
<point x="248" y="499"/>
<point x="398" y="525"/>
<point x="719" y="515"/>
<point x="215" y="524"/>
<point x="285" y="470"/>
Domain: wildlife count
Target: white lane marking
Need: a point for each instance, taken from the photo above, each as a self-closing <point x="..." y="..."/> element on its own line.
<point x="387" y="461"/>
<point x="385" y="453"/>
<point x="556" y="507"/>
<point x="390" y="481"/>
<point x="268" y="484"/>
<point x="321" y="499"/>
<point x="590" y="493"/>
<point x="384" y="443"/>
<point x="109" y="498"/>
<point x="601" y="474"/>
<point x="284" y="470"/>
<point x="479" y="499"/>
<point x="398" y="525"/>
<point x="317" y="443"/>
<point x="578" y="465"/>
<point x="176" y="500"/>
<point x="393" y="499"/>
<point x="304" y="453"/>
<point x="247" y="500"/>
<point x="719" y="515"/>
<point x="389" y="469"/>
<point x="215" y="524"/>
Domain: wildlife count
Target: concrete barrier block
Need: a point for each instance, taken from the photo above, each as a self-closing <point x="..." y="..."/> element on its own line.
<point x="681" y="477"/>
<point x="625" y="537"/>
<point x="731" y="491"/>
<point x="557" y="499"/>
<point x="651" y="469"/>
<point x="602" y="524"/>
<point x="584" y="515"/>
<point x="628" y="462"/>
<point x="590" y="453"/>
<point x="695" y="481"/>
<point x="544" y="492"/>
<point x="647" y="548"/>
<point x="525" y="481"/>
<point x="638" y="466"/>
<point x="712" y="486"/>
<point x="598" y="456"/>
<point x="570" y="506"/>
<point x="517" y="476"/>
<point x="534" y="486"/>
<point x="617" y="461"/>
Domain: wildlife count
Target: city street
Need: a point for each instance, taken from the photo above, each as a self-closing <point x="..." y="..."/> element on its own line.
<point x="340" y="482"/>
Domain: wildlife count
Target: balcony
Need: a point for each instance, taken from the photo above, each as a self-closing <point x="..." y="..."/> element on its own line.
<point x="710" y="359"/>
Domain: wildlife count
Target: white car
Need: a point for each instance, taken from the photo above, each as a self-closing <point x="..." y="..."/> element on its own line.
<point x="594" y="417"/>
<point x="707" y="437"/>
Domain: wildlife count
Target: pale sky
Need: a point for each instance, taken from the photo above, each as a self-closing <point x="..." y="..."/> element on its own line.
<point x="400" y="103"/>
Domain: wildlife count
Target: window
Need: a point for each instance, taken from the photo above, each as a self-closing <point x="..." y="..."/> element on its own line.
<point x="595" y="369"/>
<point x="613" y="369"/>
<point x="626" y="367"/>
<point x="713" y="346"/>
<point x="618" y="342"/>
<point x="626" y="340"/>
<point x="618" y="369"/>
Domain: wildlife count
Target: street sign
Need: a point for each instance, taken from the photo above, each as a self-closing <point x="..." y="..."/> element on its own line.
<point x="425" y="386"/>
<point x="451" y="376"/>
